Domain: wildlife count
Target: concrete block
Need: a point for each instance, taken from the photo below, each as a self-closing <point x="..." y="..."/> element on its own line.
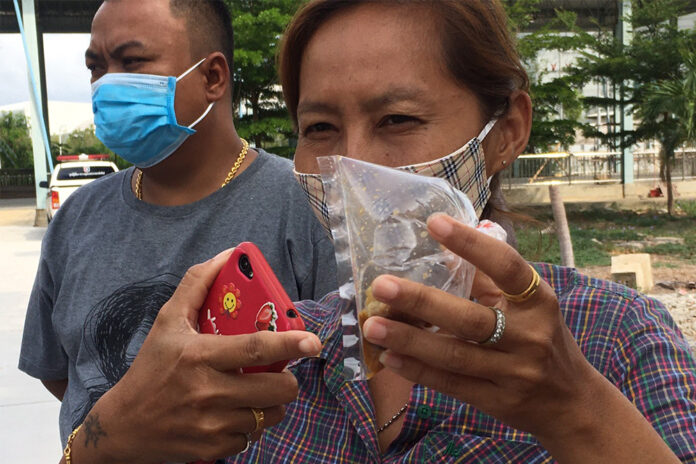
<point x="638" y="264"/>
<point x="625" y="278"/>
<point x="40" y="219"/>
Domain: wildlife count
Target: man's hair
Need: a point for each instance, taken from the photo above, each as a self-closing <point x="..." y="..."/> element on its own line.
<point x="209" y="25"/>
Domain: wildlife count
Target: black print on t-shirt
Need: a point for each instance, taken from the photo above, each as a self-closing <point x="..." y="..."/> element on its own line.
<point x="114" y="330"/>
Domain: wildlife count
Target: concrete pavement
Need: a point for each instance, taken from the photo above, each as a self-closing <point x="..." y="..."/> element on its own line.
<point x="28" y="413"/>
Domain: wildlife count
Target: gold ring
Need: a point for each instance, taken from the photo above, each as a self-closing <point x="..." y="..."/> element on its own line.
<point x="529" y="292"/>
<point x="258" y="417"/>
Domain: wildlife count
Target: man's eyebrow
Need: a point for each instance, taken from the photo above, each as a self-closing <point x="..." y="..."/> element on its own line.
<point x="91" y="55"/>
<point x="118" y="51"/>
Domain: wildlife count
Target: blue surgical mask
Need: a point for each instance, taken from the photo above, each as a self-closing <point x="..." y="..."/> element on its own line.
<point x="134" y="116"/>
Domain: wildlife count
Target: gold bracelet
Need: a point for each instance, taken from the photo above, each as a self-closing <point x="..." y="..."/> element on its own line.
<point x="67" y="452"/>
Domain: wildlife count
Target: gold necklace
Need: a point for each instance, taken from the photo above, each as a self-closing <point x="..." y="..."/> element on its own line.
<point x="228" y="179"/>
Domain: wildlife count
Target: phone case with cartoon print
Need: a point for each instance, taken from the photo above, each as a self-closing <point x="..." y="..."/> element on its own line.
<point x="246" y="297"/>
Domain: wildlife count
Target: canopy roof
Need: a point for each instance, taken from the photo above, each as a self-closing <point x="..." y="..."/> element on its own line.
<point x="76" y="15"/>
<point x="604" y="11"/>
<point x="53" y="15"/>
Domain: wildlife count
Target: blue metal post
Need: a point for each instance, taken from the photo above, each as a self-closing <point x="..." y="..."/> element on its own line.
<point x="39" y="135"/>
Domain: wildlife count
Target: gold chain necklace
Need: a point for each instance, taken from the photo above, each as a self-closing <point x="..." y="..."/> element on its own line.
<point x="228" y="179"/>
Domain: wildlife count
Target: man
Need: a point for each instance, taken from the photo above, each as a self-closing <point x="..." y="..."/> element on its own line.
<point x="115" y="252"/>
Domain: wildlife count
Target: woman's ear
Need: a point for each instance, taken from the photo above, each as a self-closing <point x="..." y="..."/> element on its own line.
<point x="510" y="134"/>
<point x="217" y="77"/>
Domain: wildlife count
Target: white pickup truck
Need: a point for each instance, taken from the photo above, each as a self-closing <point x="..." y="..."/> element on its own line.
<point x="72" y="172"/>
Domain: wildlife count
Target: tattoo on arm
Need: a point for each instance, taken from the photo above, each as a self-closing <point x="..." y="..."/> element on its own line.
<point x="93" y="430"/>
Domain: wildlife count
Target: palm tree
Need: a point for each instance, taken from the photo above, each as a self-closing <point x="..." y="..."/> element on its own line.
<point x="668" y="112"/>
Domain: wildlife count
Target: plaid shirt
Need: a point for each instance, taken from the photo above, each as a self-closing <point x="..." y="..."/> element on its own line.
<point x="629" y="338"/>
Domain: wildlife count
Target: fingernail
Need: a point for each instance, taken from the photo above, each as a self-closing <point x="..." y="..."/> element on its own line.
<point x="384" y="288"/>
<point x="374" y="330"/>
<point x="439" y="226"/>
<point x="390" y="360"/>
<point x="309" y="345"/>
<point x="224" y="252"/>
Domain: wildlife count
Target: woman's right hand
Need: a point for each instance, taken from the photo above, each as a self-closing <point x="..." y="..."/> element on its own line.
<point x="184" y="397"/>
<point x="534" y="377"/>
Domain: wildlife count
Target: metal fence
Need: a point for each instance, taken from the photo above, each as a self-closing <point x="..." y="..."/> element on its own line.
<point x="646" y="164"/>
<point x="16" y="177"/>
<point x="17" y="183"/>
<point x="595" y="167"/>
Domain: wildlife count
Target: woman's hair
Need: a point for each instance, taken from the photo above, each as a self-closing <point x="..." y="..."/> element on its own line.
<point x="477" y="46"/>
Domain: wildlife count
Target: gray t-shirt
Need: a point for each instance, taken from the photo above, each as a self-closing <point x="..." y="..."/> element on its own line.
<point x="109" y="262"/>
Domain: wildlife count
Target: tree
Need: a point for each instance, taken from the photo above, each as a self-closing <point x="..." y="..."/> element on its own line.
<point x="669" y="111"/>
<point x="562" y="229"/>
<point x="258" y="26"/>
<point x="557" y="102"/>
<point x="629" y="72"/>
<point x="557" y="105"/>
<point x="83" y="141"/>
<point x="15" y="141"/>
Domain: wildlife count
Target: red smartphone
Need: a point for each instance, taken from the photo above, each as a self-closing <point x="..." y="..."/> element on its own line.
<point x="246" y="297"/>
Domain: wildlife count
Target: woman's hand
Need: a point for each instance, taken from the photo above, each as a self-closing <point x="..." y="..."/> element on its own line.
<point x="535" y="378"/>
<point x="184" y="397"/>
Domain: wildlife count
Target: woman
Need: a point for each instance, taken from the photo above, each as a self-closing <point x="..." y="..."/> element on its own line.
<point x="582" y="371"/>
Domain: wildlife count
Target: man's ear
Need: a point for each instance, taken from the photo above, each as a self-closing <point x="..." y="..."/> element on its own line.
<point x="217" y="76"/>
<point x="510" y="134"/>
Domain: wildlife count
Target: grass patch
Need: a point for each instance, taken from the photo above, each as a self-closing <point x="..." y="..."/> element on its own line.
<point x="600" y="232"/>
<point x="536" y="246"/>
<point x="687" y="207"/>
<point x="666" y="265"/>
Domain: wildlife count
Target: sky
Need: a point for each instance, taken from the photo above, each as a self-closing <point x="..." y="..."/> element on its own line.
<point x="67" y="79"/>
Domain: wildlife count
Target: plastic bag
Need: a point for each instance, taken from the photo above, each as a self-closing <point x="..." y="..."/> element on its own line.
<point x="378" y="220"/>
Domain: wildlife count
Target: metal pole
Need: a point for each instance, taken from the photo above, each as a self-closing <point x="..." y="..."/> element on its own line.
<point x="39" y="135"/>
<point x="624" y="32"/>
<point x="570" y="167"/>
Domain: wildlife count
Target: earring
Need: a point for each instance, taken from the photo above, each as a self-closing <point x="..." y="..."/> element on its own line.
<point x="504" y="163"/>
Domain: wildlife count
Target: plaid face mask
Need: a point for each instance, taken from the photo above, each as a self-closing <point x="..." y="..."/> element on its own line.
<point x="464" y="169"/>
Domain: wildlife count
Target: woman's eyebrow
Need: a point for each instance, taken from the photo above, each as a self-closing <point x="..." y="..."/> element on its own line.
<point x="390" y="97"/>
<point x="309" y="106"/>
<point x="393" y="96"/>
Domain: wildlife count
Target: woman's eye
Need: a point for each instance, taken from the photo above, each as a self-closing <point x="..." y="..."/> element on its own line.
<point x="398" y="119"/>
<point x="318" y="127"/>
